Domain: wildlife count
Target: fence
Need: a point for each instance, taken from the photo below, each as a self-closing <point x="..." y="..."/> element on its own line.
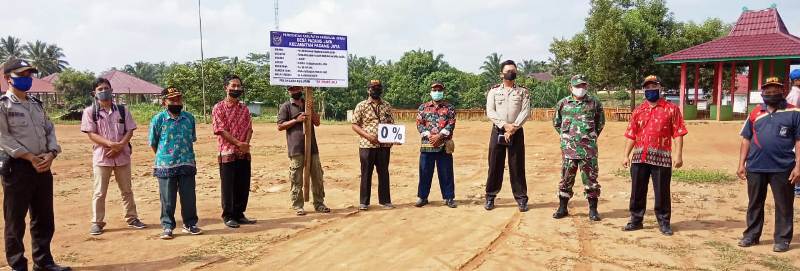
<point x="537" y="114"/>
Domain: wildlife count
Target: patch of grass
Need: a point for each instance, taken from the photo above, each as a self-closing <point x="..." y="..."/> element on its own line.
<point x="691" y="175"/>
<point x="244" y="250"/>
<point x="777" y="263"/>
<point x="728" y="257"/>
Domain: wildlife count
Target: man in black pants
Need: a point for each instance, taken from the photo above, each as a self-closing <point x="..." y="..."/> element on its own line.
<point x="652" y="128"/>
<point x="373" y="154"/>
<point x="29" y="150"/>
<point x="508" y="107"/>
<point x="769" y="134"/>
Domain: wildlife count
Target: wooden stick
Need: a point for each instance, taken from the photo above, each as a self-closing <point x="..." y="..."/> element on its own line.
<point x="307" y="126"/>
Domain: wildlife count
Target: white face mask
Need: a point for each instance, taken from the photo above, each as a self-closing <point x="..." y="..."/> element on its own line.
<point x="578" y="92"/>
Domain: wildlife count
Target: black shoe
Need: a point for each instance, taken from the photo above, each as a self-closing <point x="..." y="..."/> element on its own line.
<point x="523" y="207"/>
<point x="781" y="247"/>
<point x="245" y="221"/>
<point x="633" y="227"/>
<point x="593" y="214"/>
<point x="665" y="229"/>
<point x="562" y="208"/>
<point x="489" y="205"/>
<point x="450" y="203"/>
<point x="747" y="242"/>
<point x="230" y="223"/>
<point x="421" y="202"/>
<point x="51" y="267"/>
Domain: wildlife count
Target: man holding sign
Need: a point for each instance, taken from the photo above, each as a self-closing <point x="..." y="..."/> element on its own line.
<point x="290" y="119"/>
<point x="367" y="116"/>
<point x="435" y="122"/>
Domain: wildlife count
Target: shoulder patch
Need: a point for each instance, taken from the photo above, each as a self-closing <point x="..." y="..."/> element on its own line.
<point x="34" y="99"/>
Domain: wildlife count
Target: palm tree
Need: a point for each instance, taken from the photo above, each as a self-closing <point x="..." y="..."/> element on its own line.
<point x="45" y="57"/>
<point x="528" y="67"/>
<point x="491" y="66"/>
<point x="11" y="47"/>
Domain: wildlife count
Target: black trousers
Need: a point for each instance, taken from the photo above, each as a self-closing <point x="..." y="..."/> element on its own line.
<point x="25" y="190"/>
<point x="782" y="193"/>
<point x="640" y="177"/>
<point x="516" y="166"/>
<point x="235" y="176"/>
<point x="377" y="158"/>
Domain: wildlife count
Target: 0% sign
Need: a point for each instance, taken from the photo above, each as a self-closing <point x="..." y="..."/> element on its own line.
<point x="390" y="133"/>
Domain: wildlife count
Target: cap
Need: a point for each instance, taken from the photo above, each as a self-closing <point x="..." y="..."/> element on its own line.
<point x="651" y="79"/>
<point x="795" y="74"/>
<point x="15" y="65"/>
<point x="577" y="80"/>
<point x="374" y="84"/>
<point x="772" y="81"/>
<point x="437" y="84"/>
<point x="170" y="92"/>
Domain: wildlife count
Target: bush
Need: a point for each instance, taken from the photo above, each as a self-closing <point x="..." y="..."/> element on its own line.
<point x="621" y="95"/>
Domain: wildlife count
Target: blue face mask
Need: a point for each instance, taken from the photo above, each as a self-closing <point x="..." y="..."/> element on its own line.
<point x="652" y="95"/>
<point x="437" y="95"/>
<point x="22" y="83"/>
<point x="104" y="95"/>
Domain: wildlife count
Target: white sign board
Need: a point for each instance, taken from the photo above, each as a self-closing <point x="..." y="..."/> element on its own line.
<point x="309" y="60"/>
<point x="755" y="97"/>
<point x="390" y="133"/>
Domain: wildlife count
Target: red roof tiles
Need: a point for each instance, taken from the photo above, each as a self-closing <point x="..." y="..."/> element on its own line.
<point x="124" y="83"/>
<point x="757" y="34"/>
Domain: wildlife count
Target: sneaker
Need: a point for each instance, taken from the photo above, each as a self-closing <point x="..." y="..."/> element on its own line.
<point x="450" y="203"/>
<point x="363" y="207"/>
<point x="166" y="235"/>
<point x="96" y="230"/>
<point x="193" y="230"/>
<point x="136" y="224"/>
<point x="387" y="206"/>
<point x="231" y="223"/>
<point x="421" y="202"/>
<point x="299" y="211"/>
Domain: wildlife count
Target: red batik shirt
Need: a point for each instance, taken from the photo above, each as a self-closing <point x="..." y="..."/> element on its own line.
<point x="234" y="119"/>
<point x="652" y="129"/>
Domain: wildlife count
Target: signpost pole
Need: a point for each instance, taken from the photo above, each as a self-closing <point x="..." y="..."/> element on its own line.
<point x="307" y="126"/>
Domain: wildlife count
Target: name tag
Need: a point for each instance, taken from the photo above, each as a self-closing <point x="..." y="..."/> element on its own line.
<point x="390" y="133"/>
<point x="15" y="114"/>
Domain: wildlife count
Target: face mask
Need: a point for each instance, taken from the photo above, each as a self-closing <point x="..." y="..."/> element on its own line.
<point x="437" y="95"/>
<point x="772" y="100"/>
<point x="297" y="96"/>
<point x="510" y="76"/>
<point x="236" y="93"/>
<point x="22" y="83"/>
<point x="375" y="93"/>
<point x="578" y="92"/>
<point x="175" y="108"/>
<point x="104" y="95"/>
<point x="652" y="95"/>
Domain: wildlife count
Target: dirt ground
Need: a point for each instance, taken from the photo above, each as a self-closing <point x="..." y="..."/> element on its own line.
<point x="707" y="218"/>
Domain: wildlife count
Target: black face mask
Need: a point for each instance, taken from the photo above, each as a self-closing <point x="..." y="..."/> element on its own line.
<point x="297" y="96"/>
<point x="175" y="108"/>
<point x="236" y="93"/>
<point x="376" y="93"/>
<point x="772" y="100"/>
<point x="510" y="76"/>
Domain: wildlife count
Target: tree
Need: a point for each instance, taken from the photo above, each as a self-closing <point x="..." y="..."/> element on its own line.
<point x="11" y="47"/>
<point x="45" y="57"/>
<point x="150" y="72"/>
<point x="491" y="67"/>
<point x="527" y="67"/>
<point x="75" y="87"/>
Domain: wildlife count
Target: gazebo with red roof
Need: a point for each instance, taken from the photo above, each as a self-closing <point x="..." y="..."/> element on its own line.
<point x="759" y="37"/>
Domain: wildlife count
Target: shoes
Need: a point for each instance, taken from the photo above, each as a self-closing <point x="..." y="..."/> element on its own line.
<point x="245" y="221"/>
<point x="322" y="209"/>
<point x="523" y="207"/>
<point x="230" y="223"/>
<point x="781" y="247"/>
<point x="96" y="229"/>
<point x="193" y="230"/>
<point x="562" y="211"/>
<point x="363" y="207"/>
<point x="665" y="229"/>
<point x="51" y="267"/>
<point x="387" y="206"/>
<point x="633" y="227"/>
<point x="450" y="203"/>
<point x="489" y="204"/>
<point x="166" y="235"/>
<point x="421" y="202"/>
<point x="299" y="211"/>
<point x="593" y="214"/>
<point x="136" y="224"/>
<point x="747" y="242"/>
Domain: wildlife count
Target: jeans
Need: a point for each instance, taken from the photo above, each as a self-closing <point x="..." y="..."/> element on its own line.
<point x="444" y="166"/>
<point x="168" y="189"/>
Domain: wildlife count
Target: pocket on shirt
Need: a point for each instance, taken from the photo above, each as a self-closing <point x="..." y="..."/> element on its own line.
<point x="785" y="131"/>
<point x="499" y="99"/>
<point x="516" y="100"/>
<point x="14" y="122"/>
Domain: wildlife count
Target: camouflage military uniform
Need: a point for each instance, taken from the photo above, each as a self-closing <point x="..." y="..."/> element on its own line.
<point x="579" y="123"/>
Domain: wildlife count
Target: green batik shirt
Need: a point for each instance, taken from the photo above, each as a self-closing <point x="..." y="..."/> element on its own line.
<point x="579" y="123"/>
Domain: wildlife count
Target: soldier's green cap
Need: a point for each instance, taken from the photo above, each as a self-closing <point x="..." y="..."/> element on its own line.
<point x="577" y="80"/>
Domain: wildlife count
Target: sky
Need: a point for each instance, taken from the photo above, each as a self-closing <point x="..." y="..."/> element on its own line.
<point x="99" y="34"/>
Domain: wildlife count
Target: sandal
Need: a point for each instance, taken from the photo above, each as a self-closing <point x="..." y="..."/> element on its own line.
<point x="322" y="209"/>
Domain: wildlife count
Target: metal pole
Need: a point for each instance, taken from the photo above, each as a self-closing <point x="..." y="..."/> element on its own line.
<point x="202" y="62"/>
